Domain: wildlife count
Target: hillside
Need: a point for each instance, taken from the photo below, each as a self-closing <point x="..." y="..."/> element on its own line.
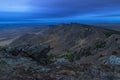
<point x="70" y="37"/>
<point x="63" y="52"/>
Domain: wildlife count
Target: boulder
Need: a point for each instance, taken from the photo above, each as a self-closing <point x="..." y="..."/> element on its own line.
<point x="37" y="52"/>
<point x="61" y="60"/>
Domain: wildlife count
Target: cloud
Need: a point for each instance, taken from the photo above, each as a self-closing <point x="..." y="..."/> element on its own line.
<point x="14" y="5"/>
<point x="59" y="9"/>
<point x="66" y="8"/>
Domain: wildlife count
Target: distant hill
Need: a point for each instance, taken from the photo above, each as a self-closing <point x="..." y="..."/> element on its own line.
<point x="114" y="26"/>
<point x="9" y="33"/>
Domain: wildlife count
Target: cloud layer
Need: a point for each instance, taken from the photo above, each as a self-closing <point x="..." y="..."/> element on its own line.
<point x="59" y="10"/>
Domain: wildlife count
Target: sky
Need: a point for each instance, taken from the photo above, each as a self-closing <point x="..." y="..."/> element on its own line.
<point x="59" y="11"/>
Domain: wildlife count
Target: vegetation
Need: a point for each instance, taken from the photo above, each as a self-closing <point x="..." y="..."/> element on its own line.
<point x="110" y="32"/>
<point x="114" y="53"/>
<point x="88" y="53"/>
<point x="70" y="56"/>
<point x="100" y="44"/>
<point x="51" y="58"/>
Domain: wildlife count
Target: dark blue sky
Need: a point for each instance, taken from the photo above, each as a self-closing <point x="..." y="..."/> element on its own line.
<point x="50" y="11"/>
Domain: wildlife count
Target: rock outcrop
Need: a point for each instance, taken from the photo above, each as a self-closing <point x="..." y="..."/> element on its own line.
<point x="37" y="52"/>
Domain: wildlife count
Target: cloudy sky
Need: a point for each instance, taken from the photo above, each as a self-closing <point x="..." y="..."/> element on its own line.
<point x="47" y="11"/>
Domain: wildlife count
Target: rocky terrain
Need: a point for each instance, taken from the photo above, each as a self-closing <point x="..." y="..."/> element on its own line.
<point x="63" y="52"/>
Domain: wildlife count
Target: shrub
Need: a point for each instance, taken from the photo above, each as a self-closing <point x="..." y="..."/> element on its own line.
<point x="100" y="44"/>
<point x="51" y="58"/>
<point x="70" y="57"/>
<point x="88" y="53"/>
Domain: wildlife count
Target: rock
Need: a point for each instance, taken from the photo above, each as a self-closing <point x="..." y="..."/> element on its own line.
<point x="97" y="73"/>
<point x="36" y="52"/>
<point x="114" y="60"/>
<point x="61" y="60"/>
<point x="110" y="60"/>
<point x="67" y="72"/>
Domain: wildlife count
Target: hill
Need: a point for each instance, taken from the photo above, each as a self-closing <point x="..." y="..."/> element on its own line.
<point x="113" y="26"/>
<point x="10" y="33"/>
<point x="71" y="37"/>
<point x="63" y="52"/>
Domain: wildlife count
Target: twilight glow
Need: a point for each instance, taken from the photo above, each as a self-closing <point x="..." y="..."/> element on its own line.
<point x="50" y="11"/>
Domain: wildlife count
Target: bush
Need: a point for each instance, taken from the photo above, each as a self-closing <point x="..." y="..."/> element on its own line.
<point x="51" y="58"/>
<point x="70" y="57"/>
<point x="100" y="44"/>
<point x="88" y="53"/>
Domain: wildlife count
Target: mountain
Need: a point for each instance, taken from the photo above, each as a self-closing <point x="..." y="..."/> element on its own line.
<point x="70" y="37"/>
<point x="83" y="41"/>
<point x="63" y="52"/>
<point x="113" y="26"/>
